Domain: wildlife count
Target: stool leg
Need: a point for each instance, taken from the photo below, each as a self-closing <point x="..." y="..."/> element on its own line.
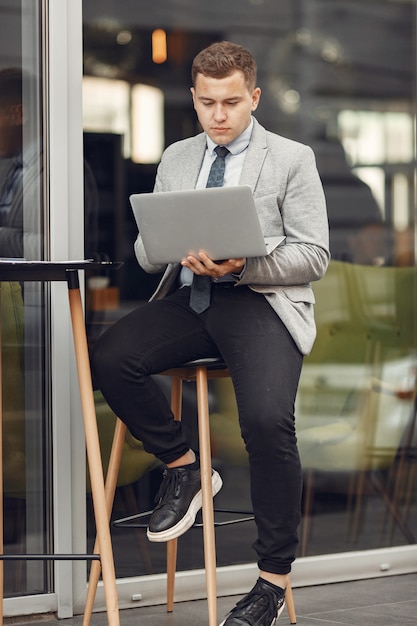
<point x="94" y="455"/>
<point x="207" y="493"/>
<point x="110" y="488"/>
<point x="176" y="407"/>
<point x="289" y="601"/>
<point x="172" y="546"/>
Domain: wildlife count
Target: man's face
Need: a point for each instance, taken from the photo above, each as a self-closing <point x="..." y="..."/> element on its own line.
<point x="224" y="105"/>
<point x="10" y="130"/>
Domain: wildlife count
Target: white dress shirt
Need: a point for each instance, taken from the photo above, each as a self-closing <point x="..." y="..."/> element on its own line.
<point x="233" y="169"/>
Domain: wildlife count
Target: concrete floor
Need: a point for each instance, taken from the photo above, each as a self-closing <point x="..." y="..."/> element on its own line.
<point x="389" y="601"/>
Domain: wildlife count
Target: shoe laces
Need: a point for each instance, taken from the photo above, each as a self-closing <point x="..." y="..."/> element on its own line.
<point x="170" y="486"/>
<point x="259" y="603"/>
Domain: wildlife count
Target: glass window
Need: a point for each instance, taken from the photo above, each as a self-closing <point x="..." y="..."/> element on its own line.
<point x="23" y="208"/>
<point x="340" y="77"/>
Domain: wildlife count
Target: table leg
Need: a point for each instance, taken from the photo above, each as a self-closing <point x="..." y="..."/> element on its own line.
<point x="93" y="449"/>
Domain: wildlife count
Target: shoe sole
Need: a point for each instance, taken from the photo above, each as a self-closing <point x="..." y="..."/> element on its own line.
<point x="274" y="621"/>
<point x="189" y="518"/>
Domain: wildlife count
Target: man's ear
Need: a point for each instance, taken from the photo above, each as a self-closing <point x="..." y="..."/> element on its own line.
<point x="193" y="95"/>
<point x="256" y="94"/>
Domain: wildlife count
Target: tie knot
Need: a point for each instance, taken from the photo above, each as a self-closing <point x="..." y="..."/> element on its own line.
<point x="221" y="151"/>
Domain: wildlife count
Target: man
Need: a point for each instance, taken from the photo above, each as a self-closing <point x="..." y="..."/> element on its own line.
<point x="260" y="320"/>
<point x="22" y="172"/>
<point x="20" y="169"/>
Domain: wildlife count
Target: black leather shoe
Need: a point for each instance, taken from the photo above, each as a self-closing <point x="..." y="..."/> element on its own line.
<point x="260" y="607"/>
<point x="178" y="502"/>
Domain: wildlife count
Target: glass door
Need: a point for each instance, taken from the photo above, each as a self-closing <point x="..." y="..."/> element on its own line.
<point x="23" y="215"/>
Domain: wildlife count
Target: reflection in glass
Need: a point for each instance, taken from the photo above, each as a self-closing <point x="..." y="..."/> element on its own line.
<point x="21" y="165"/>
<point x="22" y="210"/>
<point x="355" y="410"/>
<point x="332" y="78"/>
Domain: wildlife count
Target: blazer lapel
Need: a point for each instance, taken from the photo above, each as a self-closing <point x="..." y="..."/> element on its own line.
<point x="255" y="157"/>
<point x="190" y="167"/>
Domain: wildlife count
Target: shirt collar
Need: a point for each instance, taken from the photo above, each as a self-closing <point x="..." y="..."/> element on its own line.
<point x="236" y="146"/>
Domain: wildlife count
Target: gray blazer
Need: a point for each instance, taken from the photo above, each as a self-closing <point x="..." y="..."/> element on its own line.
<point x="290" y="201"/>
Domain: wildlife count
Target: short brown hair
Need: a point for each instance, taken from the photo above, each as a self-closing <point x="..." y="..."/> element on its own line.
<point x="13" y="83"/>
<point x="222" y="59"/>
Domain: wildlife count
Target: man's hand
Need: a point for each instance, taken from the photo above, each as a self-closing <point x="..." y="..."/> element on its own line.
<point x="204" y="266"/>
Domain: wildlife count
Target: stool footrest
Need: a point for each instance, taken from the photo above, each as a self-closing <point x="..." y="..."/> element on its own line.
<point x="49" y="557"/>
<point x="130" y="521"/>
<point x="247" y="516"/>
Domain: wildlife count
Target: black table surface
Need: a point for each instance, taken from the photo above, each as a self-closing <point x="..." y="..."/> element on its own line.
<point x="20" y="269"/>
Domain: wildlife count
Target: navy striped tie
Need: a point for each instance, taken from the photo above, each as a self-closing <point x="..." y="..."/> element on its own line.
<point x="201" y="285"/>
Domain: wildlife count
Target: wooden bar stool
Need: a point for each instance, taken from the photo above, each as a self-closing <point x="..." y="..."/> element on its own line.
<point x="200" y="371"/>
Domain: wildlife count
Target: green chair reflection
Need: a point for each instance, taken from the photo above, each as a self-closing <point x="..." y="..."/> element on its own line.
<point x="355" y="398"/>
<point x="356" y="390"/>
<point x="14" y="470"/>
<point x="14" y="431"/>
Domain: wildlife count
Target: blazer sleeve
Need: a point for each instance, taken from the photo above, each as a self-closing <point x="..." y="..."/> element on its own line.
<point x="295" y="207"/>
<point x="139" y="247"/>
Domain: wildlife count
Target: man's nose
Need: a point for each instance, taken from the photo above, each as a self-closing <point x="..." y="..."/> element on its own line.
<point x="219" y="112"/>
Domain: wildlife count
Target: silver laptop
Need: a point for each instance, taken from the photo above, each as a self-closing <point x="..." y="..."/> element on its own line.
<point x="222" y="221"/>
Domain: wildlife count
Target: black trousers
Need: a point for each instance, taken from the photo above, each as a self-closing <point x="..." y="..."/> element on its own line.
<point x="265" y="366"/>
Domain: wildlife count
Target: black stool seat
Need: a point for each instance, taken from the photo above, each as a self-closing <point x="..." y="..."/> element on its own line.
<point x="209" y="362"/>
